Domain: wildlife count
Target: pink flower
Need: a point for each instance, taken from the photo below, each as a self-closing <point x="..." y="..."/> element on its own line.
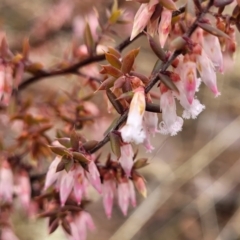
<point x="24" y="189"/>
<point x="164" y="27"/>
<point x="79" y="225"/>
<point x="126" y="159"/>
<point x="52" y="175"/>
<point x="8" y="234"/>
<point x="150" y="125"/>
<point x="6" y="82"/>
<point x="74" y="180"/>
<point x="206" y="70"/>
<point x="190" y="110"/>
<point x="142" y="17"/>
<point x="94" y="176"/>
<point x="133" y="130"/>
<point x="188" y="76"/>
<point x="212" y="48"/>
<point x="109" y="188"/>
<point x="65" y="184"/>
<point x="6" y="182"/>
<point x="140" y="185"/>
<point x="171" y="123"/>
<point x="80" y="184"/>
<point x="126" y="193"/>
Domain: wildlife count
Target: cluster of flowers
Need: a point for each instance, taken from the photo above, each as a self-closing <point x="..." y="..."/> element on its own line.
<point x="109" y="180"/>
<point x="18" y="184"/>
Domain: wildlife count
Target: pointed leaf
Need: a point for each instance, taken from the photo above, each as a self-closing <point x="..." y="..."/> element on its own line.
<point x="142" y="77"/>
<point x="107" y="69"/>
<point x="213" y="30"/>
<point x="113" y="60"/>
<point x="115" y="16"/>
<point x="66" y="142"/>
<point x="58" y="150"/>
<point x="108" y="83"/>
<point x="140" y="163"/>
<point x="169" y="4"/>
<point x="60" y="166"/>
<point x="112" y="125"/>
<point x="114" y="52"/>
<point x="69" y="164"/>
<point x="116" y="104"/>
<point x="89" y="145"/>
<point x="168" y="82"/>
<point x="128" y="61"/>
<point x="54" y="225"/>
<point x="160" y="53"/>
<point x="115" y="144"/>
<point x="126" y="95"/>
<point x="80" y="157"/>
<point x="66" y="226"/>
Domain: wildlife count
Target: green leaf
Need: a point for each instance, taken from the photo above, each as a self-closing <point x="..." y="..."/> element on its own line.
<point x="88" y="39"/>
<point x="168" y="82"/>
<point x="160" y="53"/>
<point x="213" y="30"/>
<point x="80" y="157"/>
<point x="169" y="4"/>
<point x="140" y="163"/>
<point x="89" y="145"/>
<point x="66" y="142"/>
<point x="126" y="95"/>
<point x="69" y="164"/>
<point x="128" y="61"/>
<point x="115" y="144"/>
<point x="59" y="150"/>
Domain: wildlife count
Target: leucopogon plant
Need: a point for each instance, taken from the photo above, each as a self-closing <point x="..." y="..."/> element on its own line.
<point x="192" y="43"/>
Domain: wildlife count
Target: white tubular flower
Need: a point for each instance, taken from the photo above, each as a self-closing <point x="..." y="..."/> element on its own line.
<point x="211" y="46"/>
<point x="126" y="159"/>
<point x="206" y="70"/>
<point x="190" y="110"/>
<point x="171" y="123"/>
<point x="133" y="130"/>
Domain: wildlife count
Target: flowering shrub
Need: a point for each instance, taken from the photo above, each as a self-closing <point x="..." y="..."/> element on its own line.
<point x="192" y="43"/>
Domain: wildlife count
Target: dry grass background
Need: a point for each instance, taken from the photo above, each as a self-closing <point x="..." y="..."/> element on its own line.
<point x="193" y="179"/>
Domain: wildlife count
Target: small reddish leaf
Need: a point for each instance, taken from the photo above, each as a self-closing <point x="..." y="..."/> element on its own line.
<point x="107" y="69"/>
<point x="113" y="60"/>
<point x="54" y="225"/>
<point x="128" y="61"/>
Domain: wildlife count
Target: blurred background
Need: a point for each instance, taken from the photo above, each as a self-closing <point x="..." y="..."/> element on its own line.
<point x="193" y="180"/>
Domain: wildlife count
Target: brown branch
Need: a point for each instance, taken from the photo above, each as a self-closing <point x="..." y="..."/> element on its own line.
<point x="74" y="68"/>
<point x="155" y="78"/>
